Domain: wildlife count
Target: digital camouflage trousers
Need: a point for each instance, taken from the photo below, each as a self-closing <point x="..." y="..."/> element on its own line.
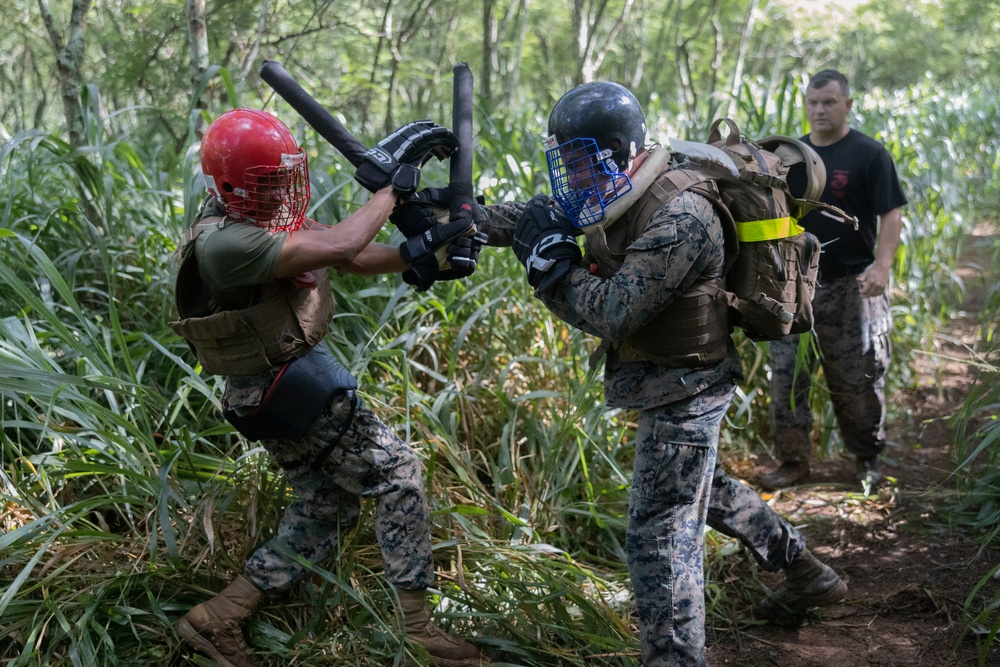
<point x="676" y="489"/>
<point x="369" y="461"/>
<point x="852" y="337"/>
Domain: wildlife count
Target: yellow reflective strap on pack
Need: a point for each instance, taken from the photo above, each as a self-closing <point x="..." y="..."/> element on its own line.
<point x="768" y="230"/>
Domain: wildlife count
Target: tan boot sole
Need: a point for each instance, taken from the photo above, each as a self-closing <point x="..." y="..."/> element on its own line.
<point x="481" y="661"/>
<point x="199" y="643"/>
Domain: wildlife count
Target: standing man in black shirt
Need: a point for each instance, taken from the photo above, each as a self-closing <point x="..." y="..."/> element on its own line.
<point x="851" y="305"/>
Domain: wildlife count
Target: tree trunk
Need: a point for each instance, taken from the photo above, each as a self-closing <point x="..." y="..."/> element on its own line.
<point x="581" y="34"/>
<point x="69" y="61"/>
<point x="685" y="72"/>
<point x="396" y="39"/>
<point x="518" y="18"/>
<point x="382" y="32"/>
<point x="588" y="16"/>
<point x="198" y="41"/>
<point x="489" y="55"/>
<point x="745" y="34"/>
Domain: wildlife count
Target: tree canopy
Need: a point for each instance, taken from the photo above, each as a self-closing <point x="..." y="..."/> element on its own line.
<point x="381" y="63"/>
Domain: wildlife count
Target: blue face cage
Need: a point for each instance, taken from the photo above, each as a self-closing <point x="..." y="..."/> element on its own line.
<point x="585" y="180"/>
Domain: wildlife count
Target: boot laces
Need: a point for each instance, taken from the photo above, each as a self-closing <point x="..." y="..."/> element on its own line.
<point x="432" y="631"/>
<point x="226" y="634"/>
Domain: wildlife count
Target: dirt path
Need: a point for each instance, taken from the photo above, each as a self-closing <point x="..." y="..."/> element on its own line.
<point x="908" y="569"/>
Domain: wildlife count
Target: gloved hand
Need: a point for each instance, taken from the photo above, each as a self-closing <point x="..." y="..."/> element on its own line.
<point x="545" y="243"/>
<point x="429" y="252"/>
<point x="397" y="159"/>
<point x="422" y="210"/>
<point x="428" y="208"/>
<point x="462" y="256"/>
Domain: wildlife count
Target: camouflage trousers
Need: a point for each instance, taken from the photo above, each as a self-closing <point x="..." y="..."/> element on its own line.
<point x="852" y="336"/>
<point x="676" y="489"/>
<point x="369" y="461"/>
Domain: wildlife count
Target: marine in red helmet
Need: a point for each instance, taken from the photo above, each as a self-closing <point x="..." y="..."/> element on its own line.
<point x="254" y="303"/>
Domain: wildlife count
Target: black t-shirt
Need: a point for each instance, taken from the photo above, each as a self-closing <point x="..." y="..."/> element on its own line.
<point x="860" y="179"/>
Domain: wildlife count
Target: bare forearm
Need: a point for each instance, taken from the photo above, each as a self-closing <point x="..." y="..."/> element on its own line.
<point x="875" y="279"/>
<point x="376" y="259"/>
<point x="889" y="230"/>
<point x="340" y="245"/>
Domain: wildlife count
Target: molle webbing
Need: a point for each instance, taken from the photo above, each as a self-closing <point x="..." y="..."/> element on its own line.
<point x="606" y="248"/>
<point x="689" y="333"/>
<point x="286" y="323"/>
<point x="254" y="340"/>
<point x="693" y="330"/>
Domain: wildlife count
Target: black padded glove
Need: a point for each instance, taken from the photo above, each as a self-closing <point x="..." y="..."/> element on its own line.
<point x="462" y="257"/>
<point x="427" y="252"/>
<point x="421" y="210"/>
<point x="397" y="159"/>
<point x="545" y="243"/>
<point x="424" y="209"/>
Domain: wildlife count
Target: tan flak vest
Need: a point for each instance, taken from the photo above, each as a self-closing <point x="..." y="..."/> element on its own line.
<point x="693" y="330"/>
<point x="286" y="323"/>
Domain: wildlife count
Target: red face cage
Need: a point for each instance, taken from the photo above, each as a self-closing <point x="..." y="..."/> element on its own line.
<point x="274" y="197"/>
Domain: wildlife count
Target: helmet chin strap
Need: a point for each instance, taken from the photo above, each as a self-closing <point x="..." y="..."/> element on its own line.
<point x="657" y="159"/>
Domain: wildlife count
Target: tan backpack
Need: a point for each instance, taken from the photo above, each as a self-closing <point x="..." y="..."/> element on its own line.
<point x="771" y="262"/>
<point x="771" y="280"/>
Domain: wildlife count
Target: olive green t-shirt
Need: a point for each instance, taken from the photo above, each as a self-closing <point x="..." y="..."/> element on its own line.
<point x="235" y="259"/>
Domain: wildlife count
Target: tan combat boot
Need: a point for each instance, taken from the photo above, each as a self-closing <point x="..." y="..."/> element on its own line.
<point x="444" y="650"/>
<point x="215" y="627"/>
<point x="808" y="583"/>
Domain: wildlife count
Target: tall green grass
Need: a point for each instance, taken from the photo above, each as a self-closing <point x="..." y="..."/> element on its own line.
<point x="949" y="162"/>
<point x="976" y="449"/>
<point x="125" y="499"/>
<point x="944" y="143"/>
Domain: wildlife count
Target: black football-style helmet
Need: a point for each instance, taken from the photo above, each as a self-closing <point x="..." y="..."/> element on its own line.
<point x="595" y="130"/>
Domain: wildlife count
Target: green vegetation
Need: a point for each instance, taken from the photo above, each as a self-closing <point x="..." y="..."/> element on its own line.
<point x="124" y="499"/>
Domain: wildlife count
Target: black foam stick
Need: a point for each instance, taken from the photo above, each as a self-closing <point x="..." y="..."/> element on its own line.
<point x="318" y="118"/>
<point x="460" y="174"/>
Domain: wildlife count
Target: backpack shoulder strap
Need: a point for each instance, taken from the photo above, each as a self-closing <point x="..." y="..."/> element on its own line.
<point x="667" y="187"/>
<point x="664" y="189"/>
<point x="674" y="182"/>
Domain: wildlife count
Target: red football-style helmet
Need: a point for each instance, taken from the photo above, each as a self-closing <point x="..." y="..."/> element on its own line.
<point x="251" y="162"/>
